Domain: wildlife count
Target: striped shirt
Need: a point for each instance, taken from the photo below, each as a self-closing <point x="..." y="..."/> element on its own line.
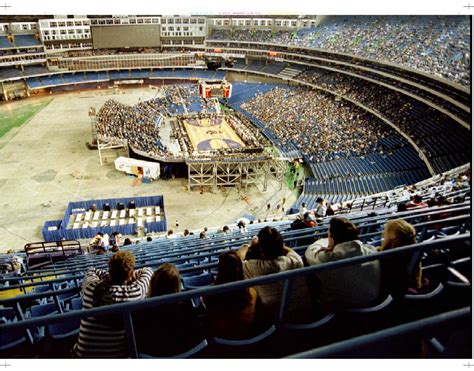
<point x="104" y="336"/>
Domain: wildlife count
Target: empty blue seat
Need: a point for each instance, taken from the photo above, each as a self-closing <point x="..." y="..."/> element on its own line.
<point x="12" y="338"/>
<point x="197" y="281"/>
<point x="39" y="311"/>
<point x="188" y="354"/>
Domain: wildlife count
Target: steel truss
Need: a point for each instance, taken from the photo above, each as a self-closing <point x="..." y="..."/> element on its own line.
<point x="233" y="173"/>
<point x="105" y="145"/>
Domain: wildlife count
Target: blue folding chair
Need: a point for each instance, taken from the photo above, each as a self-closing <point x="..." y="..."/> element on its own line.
<point x="64" y="329"/>
<point x="42" y="289"/>
<point x="11" y="338"/>
<point x="250" y="347"/>
<point x="76" y="303"/>
<point x="193" y="282"/>
<point x="187" y="354"/>
<point x="39" y="311"/>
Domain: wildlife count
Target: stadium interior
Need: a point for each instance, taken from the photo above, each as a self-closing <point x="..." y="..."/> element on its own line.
<point x="282" y="135"/>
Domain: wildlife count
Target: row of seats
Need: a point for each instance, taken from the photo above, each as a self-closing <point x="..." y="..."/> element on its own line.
<point x="347" y="188"/>
<point x="195" y="251"/>
<point x="323" y="330"/>
<point x="400" y="160"/>
<point x="84" y="77"/>
<point x="19" y="41"/>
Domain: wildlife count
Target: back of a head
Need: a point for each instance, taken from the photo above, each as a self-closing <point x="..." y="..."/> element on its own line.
<point x="343" y="230"/>
<point x="398" y="233"/>
<point x="319" y="200"/>
<point x="270" y="242"/>
<point x="230" y="268"/>
<point x="401" y="207"/>
<point x="417" y="199"/>
<point x="164" y="281"/>
<point x="121" y="266"/>
<point x="127" y="242"/>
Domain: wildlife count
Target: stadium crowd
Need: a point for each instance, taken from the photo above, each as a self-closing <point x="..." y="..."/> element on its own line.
<point x="422" y="123"/>
<point x="439" y="45"/>
<point x="139" y="124"/>
<point x="136" y="124"/>
<point x="173" y="328"/>
<point x="322" y="127"/>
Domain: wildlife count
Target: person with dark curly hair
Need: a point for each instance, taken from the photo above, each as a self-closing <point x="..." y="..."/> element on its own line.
<point x="104" y="336"/>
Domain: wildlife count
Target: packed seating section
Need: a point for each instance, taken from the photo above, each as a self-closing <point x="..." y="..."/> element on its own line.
<point x="439" y="46"/>
<point x="49" y="302"/>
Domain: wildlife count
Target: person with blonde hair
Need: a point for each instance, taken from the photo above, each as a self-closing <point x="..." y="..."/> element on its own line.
<point x="396" y="279"/>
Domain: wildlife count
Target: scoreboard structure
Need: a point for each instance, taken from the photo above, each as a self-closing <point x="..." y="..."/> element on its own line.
<point x="215" y="89"/>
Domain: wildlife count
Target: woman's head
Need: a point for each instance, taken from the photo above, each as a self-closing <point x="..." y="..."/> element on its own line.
<point x="230" y="268"/>
<point x="398" y="233"/>
<point x="164" y="281"/>
<point x="342" y="230"/>
<point x="271" y="243"/>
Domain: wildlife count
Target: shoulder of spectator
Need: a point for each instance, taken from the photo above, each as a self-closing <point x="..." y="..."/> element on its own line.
<point x="144" y="274"/>
<point x="242" y="251"/>
<point x="95" y="273"/>
<point x="315" y="254"/>
<point x="293" y="256"/>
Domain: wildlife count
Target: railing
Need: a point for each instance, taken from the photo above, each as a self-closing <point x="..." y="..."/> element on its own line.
<point x="288" y="277"/>
<point x="45" y="251"/>
<point x="373" y="340"/>
<point x="461" y="213"/>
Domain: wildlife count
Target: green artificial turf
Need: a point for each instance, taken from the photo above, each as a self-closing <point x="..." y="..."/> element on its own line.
<point x="15" y="117"/>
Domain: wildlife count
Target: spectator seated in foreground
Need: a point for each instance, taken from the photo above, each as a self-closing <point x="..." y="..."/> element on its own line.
<point x="234" y="314"/>
<point x="167" y="329"/>
<point x="267" y="254"/>
<point x="396" y="279"/>
<point x="104" y="336"/>
<point x="352" y="286"/>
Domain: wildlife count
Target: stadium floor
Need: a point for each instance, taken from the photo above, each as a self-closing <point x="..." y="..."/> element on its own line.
<point x="15" y="114"/>
<point x="46" y="164"/>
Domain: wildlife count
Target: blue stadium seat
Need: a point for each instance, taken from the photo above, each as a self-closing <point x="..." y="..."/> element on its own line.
<point x="193" y="282"/>
<point x="12" y="338"/>
<point x="193" y="352"/>
<point x="39" y="311"/>
<point x="227" y="348"/>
